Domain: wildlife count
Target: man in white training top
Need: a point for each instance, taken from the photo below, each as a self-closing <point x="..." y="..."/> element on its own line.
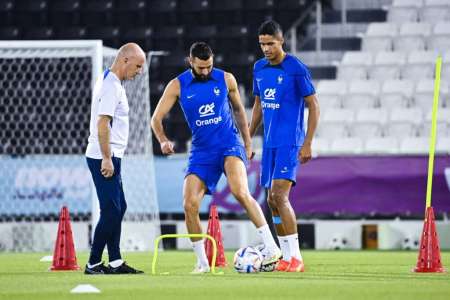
<point x="107" y="143"/>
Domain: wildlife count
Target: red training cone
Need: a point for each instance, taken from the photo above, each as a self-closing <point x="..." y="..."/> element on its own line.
<point x="64" y="257"/>
<point x="215" y="231"/>
<point x="429" y="259"/>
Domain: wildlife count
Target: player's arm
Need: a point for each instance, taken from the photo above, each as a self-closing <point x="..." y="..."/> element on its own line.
<point x="239" y="112"/>
<point x="313" y="119"/>
<point x="167" y="101"/>
<point x="256" y="116"/>
<point x="107" y="167"/>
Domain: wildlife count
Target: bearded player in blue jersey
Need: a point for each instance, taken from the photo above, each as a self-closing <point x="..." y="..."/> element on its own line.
<point x="282" y="86"/>
<point x="209" y="97"/>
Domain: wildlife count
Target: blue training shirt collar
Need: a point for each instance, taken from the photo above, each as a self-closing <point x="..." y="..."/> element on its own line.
<point x="282" y="64"/>
<point x="214" y="75"/>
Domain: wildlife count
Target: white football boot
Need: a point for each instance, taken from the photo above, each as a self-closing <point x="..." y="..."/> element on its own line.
<point x="199" y="269"/>
<point x="270" y="255"/>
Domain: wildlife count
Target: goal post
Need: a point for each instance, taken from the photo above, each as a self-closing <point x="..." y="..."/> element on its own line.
<point x="45" y="105"/>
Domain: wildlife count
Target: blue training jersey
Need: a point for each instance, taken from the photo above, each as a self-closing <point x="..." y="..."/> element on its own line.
<point x="207" y="110"/>
<point x="281" y="89"/>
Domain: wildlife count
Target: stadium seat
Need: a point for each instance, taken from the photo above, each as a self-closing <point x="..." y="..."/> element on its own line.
<point x="412" y="36"/>
<point x="195" y="12"/>
<point x="162" y="12"/>
<point x="381" y="145"/>
<point x="31" y="12"/>
<point x="10" y="33"/>
<point x="109" y="34"/>
<point x="445" y="71"/>
<point x="354" y="65"/>
<point x="288" y="11"/>
<point x="331" y="87"/>
<point x="71" y="33"/>
<point x="233" y="38"/>
<point x="258" y="9"/>
<point x="420" y="65"/>
<point x="258" y="143"/>
<point x="142" y="35"/>
<point x="379" y="37"/>
<point x="435" y="11"/>
<point x="396" y="93"/>
<point x="440" y="39"/>
<point x="372" y="115"/>
<point x="442" y="129"/>
<point x="169" y="38"/>
<point x="413" y="115"/>
<point x="361" y="94"/>
<point x="65" y="12"/>
<point x="131" y="13"/>
<point x="228" y="12"/>
<point x="403" y="122"/>
<point x="387" y="65"/>
<point x="407" y="3"/>
<point x="331" y="130"/>
<point x="202" y="33"/>
<point x="365" y="129"/>
<point x="98" y="13"/>
<point x="320" y="145"/>
<point x="39" y="33"/>
<point x="350" y="145"/>
<point x="172" y="65"/>
<point x="443" y="115"/>
<point x="424" y="93"/>
<point x="6" y="12"/>
<point x="443" y="145"/>
<point x="329" y="101"/>
<point x="403" y="14"/>
<point x="400" y="129"/>
<point x="338" y="115"/>
<point x="415" y="145"/>
<point x="241" y="59"/>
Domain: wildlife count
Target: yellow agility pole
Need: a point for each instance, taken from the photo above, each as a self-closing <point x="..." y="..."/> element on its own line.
<point x="193" y="235"/>
<point x="437" y="82"/>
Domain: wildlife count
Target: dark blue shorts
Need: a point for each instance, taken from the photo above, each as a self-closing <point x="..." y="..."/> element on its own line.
<point x="209" y="165"/>
<point x="279" y="163"/>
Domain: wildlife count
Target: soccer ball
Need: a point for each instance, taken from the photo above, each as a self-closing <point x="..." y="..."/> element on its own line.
<point x="247" y="260"/>
<point x="338" y="242"/>
<point x="410" y="243"/>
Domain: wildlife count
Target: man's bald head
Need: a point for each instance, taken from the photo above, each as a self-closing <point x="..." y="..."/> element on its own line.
<point x="130" y="50"/>
<point x="129" y="62"/>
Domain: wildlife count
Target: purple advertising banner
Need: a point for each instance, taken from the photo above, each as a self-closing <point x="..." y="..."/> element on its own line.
<point x="383" y="185"/>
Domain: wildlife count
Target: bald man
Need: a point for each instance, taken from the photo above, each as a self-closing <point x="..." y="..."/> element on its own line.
<point x="107" y="143"/>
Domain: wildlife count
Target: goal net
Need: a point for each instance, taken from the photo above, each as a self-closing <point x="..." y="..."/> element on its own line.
<point x="45" y="104"/>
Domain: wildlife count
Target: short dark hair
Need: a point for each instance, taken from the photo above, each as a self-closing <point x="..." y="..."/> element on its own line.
<point x="270" y="27"/>
<point x="200" y="50"/>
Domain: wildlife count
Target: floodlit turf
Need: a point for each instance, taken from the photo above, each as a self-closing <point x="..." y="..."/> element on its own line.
<point x="347" y="275"/>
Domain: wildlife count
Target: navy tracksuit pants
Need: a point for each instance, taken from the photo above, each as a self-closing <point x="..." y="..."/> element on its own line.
<point x="112" y="209"/>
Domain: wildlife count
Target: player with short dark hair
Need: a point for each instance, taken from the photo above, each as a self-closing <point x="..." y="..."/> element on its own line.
<point x="209" y="97"/>
<point x="282" y="86"/>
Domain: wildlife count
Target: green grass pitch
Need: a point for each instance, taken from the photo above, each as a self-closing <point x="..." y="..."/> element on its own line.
<point x="348" y="275"/>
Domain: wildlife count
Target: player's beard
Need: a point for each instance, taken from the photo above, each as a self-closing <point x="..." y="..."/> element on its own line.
<point x="201" y="77"/>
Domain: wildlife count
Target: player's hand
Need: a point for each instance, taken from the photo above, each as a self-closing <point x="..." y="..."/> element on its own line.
<point x="249" y="152"/>
<point x="167" y="148"/>
<point x="304" y="154"/>
<point x="107" y="168"/>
